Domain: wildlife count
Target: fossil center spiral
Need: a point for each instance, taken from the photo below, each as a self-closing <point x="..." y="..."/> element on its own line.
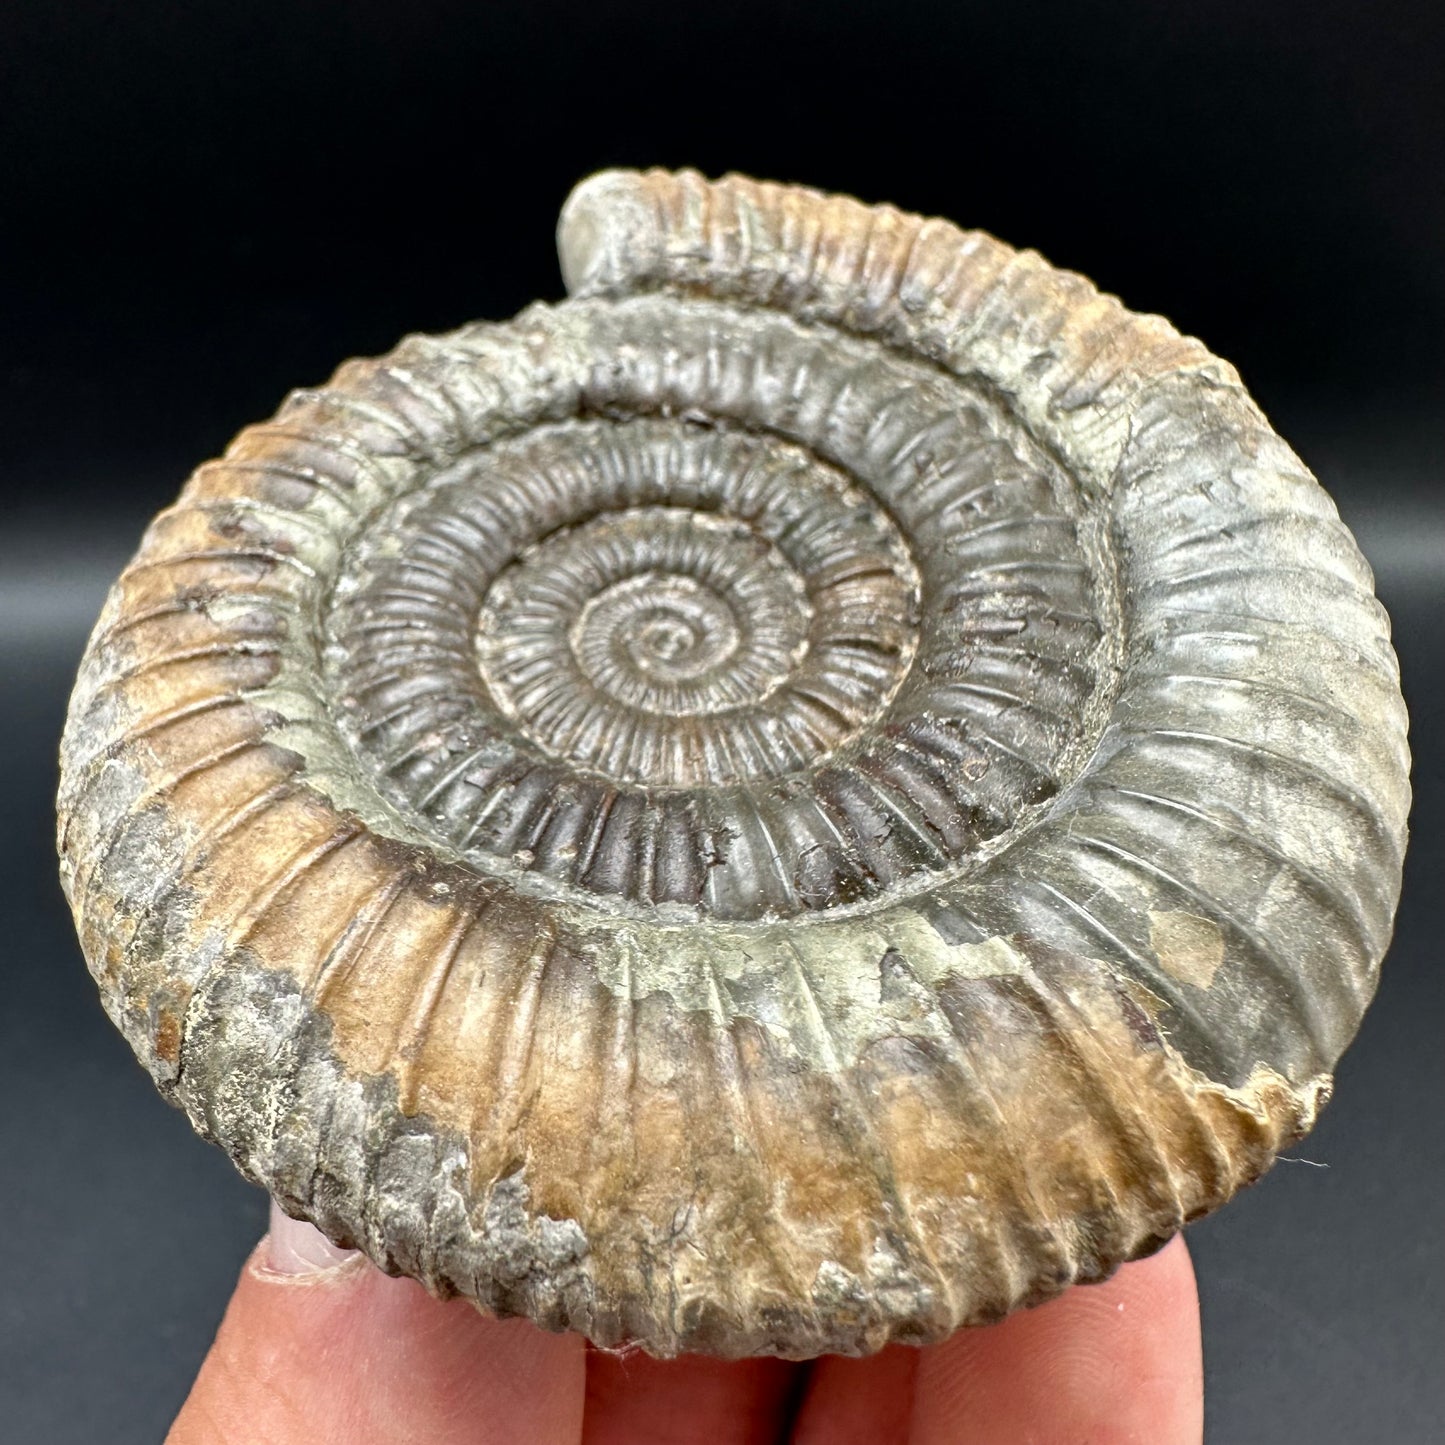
<point x="753" y="638"/>
<point x="653" y="614"/>
<point x="681" y="647"/>
<point x="669" y="628"/>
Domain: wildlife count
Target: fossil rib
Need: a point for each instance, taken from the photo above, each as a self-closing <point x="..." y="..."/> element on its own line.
<point x="826" y="787"/>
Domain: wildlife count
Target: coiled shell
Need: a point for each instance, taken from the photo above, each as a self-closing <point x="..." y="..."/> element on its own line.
<point x="823" y="789"/>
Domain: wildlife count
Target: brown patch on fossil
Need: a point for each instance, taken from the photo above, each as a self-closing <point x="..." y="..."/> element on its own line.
<point x="168" y="1035"/>
<point x="1188" y="947"/>
<point x="763" y="1203"/>
<point x="719" y="1172"/>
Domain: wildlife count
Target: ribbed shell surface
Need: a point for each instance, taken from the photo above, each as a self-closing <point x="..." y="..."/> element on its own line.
<point x="824" y="788"/>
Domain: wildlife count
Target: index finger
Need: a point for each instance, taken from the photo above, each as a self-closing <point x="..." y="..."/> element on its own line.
<point x="1119" y="1361"/>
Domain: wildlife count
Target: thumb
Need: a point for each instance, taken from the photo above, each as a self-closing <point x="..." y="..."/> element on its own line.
<point x="318" y="1346"/>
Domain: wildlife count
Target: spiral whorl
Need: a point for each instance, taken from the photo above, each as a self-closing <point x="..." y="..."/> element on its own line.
<point x="724" y="649"/>
<point x="827" y="786"/>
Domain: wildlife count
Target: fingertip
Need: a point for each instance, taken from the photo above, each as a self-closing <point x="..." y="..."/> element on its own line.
<point x="865" y="1401"/>
<point x="635" y="1398"/>
<point x="1120" y="1360"/>
<point x="318" y="1346"/>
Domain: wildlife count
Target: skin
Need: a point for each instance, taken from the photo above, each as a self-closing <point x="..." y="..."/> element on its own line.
<point x="317" y="1347"/>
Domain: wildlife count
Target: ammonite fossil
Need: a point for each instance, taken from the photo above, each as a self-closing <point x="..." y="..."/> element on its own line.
<point x="825" y="788"/>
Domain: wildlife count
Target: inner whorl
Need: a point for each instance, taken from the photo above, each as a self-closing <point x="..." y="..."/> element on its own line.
<point x="763" y="638"/>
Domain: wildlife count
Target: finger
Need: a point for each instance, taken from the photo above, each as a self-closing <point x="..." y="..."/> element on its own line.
<point x="1118" y="1361"/>
<point x="636" y="1400"/>
<point x="320" y="1348"/>
<point x="858" y="1402"/>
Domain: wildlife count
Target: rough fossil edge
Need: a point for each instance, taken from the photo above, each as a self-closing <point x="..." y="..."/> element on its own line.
<point x="502" y="1248"/>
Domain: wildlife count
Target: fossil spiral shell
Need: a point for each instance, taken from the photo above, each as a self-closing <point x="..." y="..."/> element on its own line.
<point x="822" y="789"/>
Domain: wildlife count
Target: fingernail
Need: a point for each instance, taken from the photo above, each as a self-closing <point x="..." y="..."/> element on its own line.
<point x="294" y="1247"/>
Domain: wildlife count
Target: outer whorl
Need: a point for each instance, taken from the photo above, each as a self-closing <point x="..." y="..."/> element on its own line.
<point x="822" y="789"/>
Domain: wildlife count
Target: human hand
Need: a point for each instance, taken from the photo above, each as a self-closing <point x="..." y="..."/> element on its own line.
<point x="320" y="1348"/>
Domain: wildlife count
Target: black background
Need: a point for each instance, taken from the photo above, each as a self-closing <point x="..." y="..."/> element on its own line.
<point x="203" y="205"/>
